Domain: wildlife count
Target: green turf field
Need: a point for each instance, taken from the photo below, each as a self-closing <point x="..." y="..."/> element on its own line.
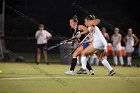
<point x="31" y="78"/>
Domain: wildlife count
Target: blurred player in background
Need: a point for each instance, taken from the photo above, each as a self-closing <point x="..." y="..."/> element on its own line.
<point x="130" y="41"/>
<point x="42" y="37"/>
<point x="105" y="34"/>
<point x="116" y="39"/>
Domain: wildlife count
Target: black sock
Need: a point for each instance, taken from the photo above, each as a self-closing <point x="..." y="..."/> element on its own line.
<point x="73" y="64"/>
<point x="89" y="66"/>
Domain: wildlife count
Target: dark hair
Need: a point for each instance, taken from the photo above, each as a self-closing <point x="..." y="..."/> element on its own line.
<point x="41" y="25"/>
<point x="90" y="17"/>
<point x="74" y="18"/>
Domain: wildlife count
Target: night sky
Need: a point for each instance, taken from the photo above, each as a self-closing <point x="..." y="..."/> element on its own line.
<point x="55" y="15"/>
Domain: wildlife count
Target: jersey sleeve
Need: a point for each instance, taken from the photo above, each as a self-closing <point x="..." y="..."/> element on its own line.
<point x="48" y="34"/>
<point x="36" y="34"/>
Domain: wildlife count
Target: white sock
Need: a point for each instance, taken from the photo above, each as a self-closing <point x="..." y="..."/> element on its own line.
<point x="84" y="62"/>
<point x="121" y="60"/>
<point x="129" y="60"/>
<point x="115" y="60"/>
<point x="106" y="64"/>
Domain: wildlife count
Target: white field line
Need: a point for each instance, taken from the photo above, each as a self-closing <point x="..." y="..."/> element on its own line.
<point x="63" y="77"/>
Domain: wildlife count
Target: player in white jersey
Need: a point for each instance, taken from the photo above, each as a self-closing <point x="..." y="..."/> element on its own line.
<point x="130" y="41"/>
<point x="116" y="40"/>
<point x="98" y="44"/>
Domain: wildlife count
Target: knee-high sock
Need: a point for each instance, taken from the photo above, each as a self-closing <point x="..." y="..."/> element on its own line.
<point x="89" y="66"/>
<point x="106" y="64"/>
<point x="115" y="60"/>
<point x="121" y="60"/>
<point x="73" y="64"/>
<point x="84" y="62"/>
<point x="129" y="60"/>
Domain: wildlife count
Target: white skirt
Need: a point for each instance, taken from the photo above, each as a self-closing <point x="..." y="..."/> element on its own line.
<point x="129" y="49"/>
<point x="100" y="45"/>
<point x="117" y="47"/>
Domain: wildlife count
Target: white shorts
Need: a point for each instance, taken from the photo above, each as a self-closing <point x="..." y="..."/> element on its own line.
<point x="117" y="48"/>
<point x="100" y="45"/>
<point x="129" y="49"/>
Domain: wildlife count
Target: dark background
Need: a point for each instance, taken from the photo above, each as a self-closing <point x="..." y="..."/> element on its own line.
<point x="23" y="16"/>
<point x="55" y="14"/>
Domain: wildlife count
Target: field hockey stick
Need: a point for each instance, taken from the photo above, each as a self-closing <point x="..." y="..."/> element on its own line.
<point x="78" y="45"/>
<point x="57" y="45"/>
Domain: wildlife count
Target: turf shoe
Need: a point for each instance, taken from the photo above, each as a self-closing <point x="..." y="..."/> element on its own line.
<point x="91" y="72"/>
<point x="37" y="63"/>
<point x="82" y="71"/>
<point x="70" y="72"/>
<point x="111" y="73"/>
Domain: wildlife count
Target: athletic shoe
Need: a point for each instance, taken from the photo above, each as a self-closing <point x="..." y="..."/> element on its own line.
<point x="129" y="65"/>
<point x="111" y="73"/>
<point x="47" y="63"/>
<point x="70" y="72"/>
<point x="114" y="65"/>
<point x="82" y="71"/>
<point x="91" y="72"/>
<point x="124" y="65"/>
<point x="37" y="63"/>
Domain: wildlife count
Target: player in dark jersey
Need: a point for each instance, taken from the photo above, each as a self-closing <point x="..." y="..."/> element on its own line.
<point x="82" y="31"/>
<point x="79" y="33"/>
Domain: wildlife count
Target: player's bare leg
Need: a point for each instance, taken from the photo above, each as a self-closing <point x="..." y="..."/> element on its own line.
<point x="84" y="53"/>
<point x="45" y="56"/>
<point x="38" y="56"/>
<point x="101" y="56"/>
<point x="74" y="60"/>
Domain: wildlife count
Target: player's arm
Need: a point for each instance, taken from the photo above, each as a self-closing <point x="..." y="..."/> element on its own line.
<point x="72" y="39"/>
<point x="136" y="40"/>
<point x="89" y="40"/>
<point x="48" y="35"/>
<point x="124" y="40"/>
<point x="96" y="22"/>
<point x="107" y="36"/>
<point x="83" y="28"/>
<point x="38" y="33"/>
